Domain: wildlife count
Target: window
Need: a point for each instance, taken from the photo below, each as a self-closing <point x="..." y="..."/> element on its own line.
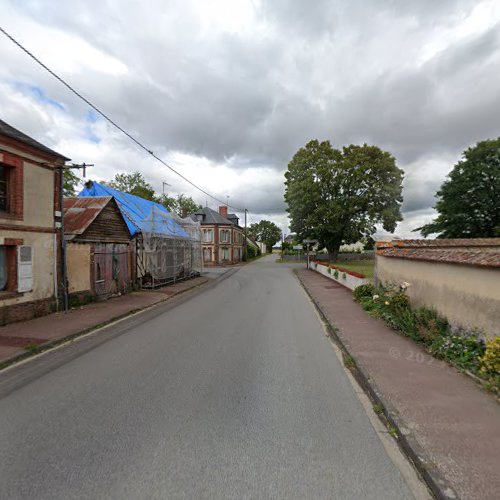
<point x="208" y="235"/>
<point x="207" y="254"/>
<point x="225" y="236"/>
<point x="224" y="253"/>
<point x="16" y="268"/>
<point x="25" y="269"/>
<point x="4" y="189"/>
<point x="3" y="268"/>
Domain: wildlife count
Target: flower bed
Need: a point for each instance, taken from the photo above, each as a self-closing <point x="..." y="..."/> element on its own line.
<point x="465" y="351"/>
<point x="349" y="279"/>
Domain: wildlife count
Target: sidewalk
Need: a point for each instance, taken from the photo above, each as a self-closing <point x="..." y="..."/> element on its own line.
<point x="46" y="330"/>
<point x="448" y="424"/>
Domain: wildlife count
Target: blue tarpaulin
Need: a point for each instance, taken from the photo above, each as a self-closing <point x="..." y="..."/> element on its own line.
<point x="140" y="215"/>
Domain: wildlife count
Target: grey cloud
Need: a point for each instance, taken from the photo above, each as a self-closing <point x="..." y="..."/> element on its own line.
<point x="326" y="70"/>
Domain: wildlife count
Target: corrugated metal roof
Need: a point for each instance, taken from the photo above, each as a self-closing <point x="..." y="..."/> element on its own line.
<point x="13" y="133"/>
<point x="79" y="213"/>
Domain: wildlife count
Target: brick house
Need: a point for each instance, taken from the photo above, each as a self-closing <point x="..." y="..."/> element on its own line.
<point x="222" y="237"/>
<point x="29" y="240"/>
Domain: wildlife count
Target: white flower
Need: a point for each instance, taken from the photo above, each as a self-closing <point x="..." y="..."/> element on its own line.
<point x="386" y="302"/>
<point x="375" y="297"/>
<point x="404" y="285"/>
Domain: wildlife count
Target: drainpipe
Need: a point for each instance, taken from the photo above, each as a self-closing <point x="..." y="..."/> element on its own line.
<point x="56" y="292"/>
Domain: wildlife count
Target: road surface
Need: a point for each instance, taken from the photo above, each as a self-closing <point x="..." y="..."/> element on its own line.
<point x="234" y="393"/>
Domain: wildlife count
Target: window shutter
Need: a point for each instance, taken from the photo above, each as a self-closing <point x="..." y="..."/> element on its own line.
<point x="24" y="268"/>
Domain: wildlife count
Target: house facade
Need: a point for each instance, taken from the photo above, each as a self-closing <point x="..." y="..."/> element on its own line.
<point x="222" y="237"/>
<point x="98" y="251"/>
<point x="30" y="242"/>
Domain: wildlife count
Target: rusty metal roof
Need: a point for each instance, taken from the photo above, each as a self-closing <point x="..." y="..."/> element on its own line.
<point x="80" y="212"/>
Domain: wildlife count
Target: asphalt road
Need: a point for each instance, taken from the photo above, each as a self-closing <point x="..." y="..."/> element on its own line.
<point x="234" y="393"/>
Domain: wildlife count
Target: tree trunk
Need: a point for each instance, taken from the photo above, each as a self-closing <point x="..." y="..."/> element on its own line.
<point x="333" y="254"/>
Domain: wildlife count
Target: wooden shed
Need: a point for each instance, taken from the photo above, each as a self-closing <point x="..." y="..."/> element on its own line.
<point x="100" y="259"/>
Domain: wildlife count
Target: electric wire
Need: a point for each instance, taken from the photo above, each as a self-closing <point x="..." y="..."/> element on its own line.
<point x="112" y="122"/>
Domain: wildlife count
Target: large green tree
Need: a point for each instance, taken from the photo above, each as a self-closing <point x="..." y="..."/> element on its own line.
<point x="469" y="200"/>
<point x="133" y="183"/>
<point x="267" y="232"/>
<point x="339" y="196"/>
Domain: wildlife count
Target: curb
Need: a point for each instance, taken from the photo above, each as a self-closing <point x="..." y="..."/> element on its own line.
<point x="47" y="346"/>
<point x="437" y="484"/>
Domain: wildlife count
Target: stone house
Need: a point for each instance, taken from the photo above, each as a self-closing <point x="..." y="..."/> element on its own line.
<point x="30" y="241"/>
<point x="98" y="251"/>
<point x="222" y="237"/>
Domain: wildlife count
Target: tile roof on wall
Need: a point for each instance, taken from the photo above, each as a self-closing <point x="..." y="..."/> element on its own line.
<point x="443" y="255"/>
<point x="441" y="243"/>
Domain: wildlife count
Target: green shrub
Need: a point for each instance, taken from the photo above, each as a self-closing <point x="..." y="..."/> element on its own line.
<point x="363" y="291"/>
<point x="430" y="325"/>
<point x="398" y="301"/>
<point x="336" y="274"/>
<point x="251" y="252"/>
<point x="403" y="319"/>
<point x="462" y="351"/>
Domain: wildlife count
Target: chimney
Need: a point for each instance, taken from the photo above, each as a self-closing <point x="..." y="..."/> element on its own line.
<point x="223" y="211"/>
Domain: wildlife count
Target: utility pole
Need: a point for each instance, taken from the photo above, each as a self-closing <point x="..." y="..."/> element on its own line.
<point x="62" y="168"/>
<point x="245" y="247"/>
<point x="163" y="187"/>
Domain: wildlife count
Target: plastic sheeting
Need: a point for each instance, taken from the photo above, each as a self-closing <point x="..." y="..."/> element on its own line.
<point x="168" y="247"/>
<point x="136" y="210"/>
<point x="166" y="258"/>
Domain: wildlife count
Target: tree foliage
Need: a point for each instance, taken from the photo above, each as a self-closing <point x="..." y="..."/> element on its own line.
<point x="134" y="184"/>
<point x="468" y="202"/>
<point x="71" y="180"/>
<point x="267" y="232"/>
<point x="187" y="204"/>
<point x="180" y="204"/>
<point x="339" y="196"/>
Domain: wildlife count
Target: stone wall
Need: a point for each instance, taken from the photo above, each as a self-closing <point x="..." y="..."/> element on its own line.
<point x="460" y="282"/>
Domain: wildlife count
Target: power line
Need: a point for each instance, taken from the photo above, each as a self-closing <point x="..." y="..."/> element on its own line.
<point x="107" y="118"/>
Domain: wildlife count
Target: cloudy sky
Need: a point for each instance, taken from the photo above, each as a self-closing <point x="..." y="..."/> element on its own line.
<point x="227" y="90"/>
